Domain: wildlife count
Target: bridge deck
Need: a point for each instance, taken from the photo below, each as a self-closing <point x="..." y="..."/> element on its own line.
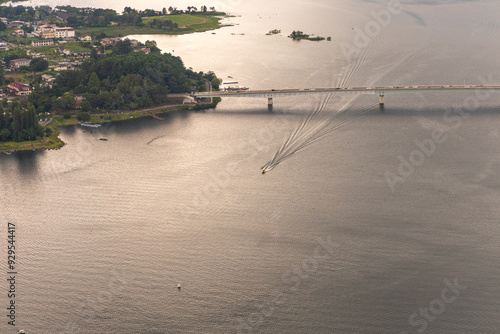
<point x="380" y="90"/>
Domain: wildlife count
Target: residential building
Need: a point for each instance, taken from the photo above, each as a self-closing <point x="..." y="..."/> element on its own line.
<point x="110" y="41"/>
<point x="19" y="88"/>
<point x="81" y="54"/>
<point x="42" y="42"/>
<point x="86" y="38"/>
<point x="41" y="55"/>
<point x="16" y="63"/>
<point x="48" y="79"/>
<point x="78" y="101"/>
<point x="46" y="31"/>
<point x="19" y="33"/>
<point x="15" y="25"/>
<point x="64" y="32"/>
<point x="60" y="67"/>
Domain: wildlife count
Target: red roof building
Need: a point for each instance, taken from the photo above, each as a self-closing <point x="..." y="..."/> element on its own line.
<point x="19" y="88"/>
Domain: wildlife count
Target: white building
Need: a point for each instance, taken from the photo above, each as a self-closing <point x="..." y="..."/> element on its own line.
<point x="42" y="42"/>
<point x="64" y="32"/>
<point x="52" y="31"/>
<point x="86" y="38"/>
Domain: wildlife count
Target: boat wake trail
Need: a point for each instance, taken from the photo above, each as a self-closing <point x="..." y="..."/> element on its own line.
<point x="301" y="139"/>
<point x="317" y="125"/>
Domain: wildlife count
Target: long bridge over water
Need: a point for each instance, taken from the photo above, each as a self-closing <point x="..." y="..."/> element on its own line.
<point x="381" y="91"/>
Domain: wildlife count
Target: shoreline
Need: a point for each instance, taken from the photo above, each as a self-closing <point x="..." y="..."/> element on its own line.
<point x="53" y="142"/>
<point x="202" y="22"/>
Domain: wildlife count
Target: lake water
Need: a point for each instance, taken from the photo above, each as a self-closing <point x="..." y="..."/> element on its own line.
<point x="388" y="224"/>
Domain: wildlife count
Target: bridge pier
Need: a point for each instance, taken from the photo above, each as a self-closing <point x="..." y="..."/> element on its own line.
<point x="381" y="100"/>
<point x="270" y="101"/>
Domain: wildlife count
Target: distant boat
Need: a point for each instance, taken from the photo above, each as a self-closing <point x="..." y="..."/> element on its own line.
<point x="230" y="82"/>
<point x="179" y="286"/>
<point x="158" y="118"/>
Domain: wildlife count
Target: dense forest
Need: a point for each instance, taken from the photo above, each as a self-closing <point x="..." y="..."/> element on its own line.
<point x="120" y="82"/>
<point x="18" y="122"/>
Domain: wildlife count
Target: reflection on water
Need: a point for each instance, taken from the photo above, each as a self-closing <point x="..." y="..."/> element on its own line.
<point x="107" y="229"/>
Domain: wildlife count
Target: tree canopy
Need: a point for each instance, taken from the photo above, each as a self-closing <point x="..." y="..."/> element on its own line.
<point x="122" y="82"/>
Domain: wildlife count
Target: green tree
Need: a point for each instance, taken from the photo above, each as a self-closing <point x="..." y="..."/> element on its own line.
<point x="94" y="81"/>
<point x="85" y="106"/>
<point x="216" y="83"/>
<point x="5" y="134"/>
<point x="39" y="65"/>
<point x="2" y="118"/>
<point x="30" y="116"/>
<point x="2" y="76"/>
<point x="16" y="125"/>
<point x="124" y="47"/>
<point x="67" y="102"/>
<point x="83" y="116"/>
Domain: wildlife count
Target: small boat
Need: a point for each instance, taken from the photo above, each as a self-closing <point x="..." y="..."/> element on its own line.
<point x="264" y="171"/>
<point x="179" y="286"/>
<point x="157" y="118"/>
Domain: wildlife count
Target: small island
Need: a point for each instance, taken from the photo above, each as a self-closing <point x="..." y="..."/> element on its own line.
<point x="298" y="35"/>
<point x="274" y="32"/>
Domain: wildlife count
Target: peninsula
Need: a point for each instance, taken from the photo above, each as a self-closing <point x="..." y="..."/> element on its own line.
<point x="55" y="74"/>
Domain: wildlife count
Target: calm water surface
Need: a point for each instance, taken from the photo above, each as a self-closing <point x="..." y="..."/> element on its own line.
<point x="321" y="244"/>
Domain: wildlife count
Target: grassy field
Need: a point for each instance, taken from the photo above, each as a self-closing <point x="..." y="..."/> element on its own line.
<point x="48" y="143"/>
<point x="188" y="23"/>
